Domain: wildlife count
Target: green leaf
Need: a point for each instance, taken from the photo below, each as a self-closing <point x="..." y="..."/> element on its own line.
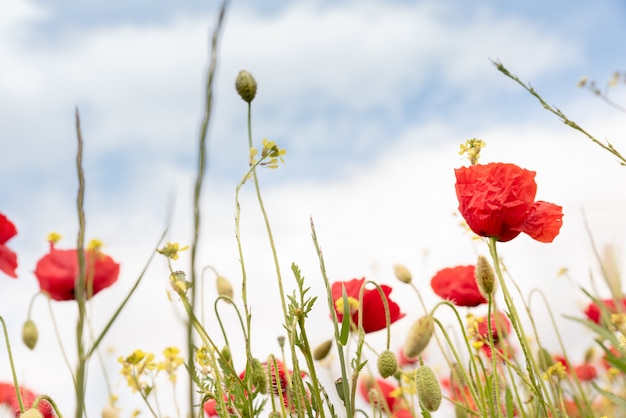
<point x="346" y="320"/>
<point x="508" y="400"/>
<point x="617" y="400"/>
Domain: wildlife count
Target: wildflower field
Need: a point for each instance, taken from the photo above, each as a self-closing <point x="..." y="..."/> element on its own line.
<point x="468" y="281"/>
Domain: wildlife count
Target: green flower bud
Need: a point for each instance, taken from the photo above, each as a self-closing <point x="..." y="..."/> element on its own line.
<point x="402" y="273"/>
<point x="322" y="350"/>
<point x="246" y="86"/>
<point x="428" y="389"/>
<point x="544" y="359"/>
<point x="224" y="288"/>
<point x="32" y="413"/>
<point x="259" y="376"/>
<point x="339" y="389"/>
<point x="419" y="336"/>
<point x="387" y="363"/>
<point x="30" y="334"/>
<point x="485" y="277"/>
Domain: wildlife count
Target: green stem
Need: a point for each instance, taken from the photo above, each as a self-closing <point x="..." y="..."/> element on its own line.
<point x="558" y="113"/>
<point x="79" y="288"/>
<point x="12" y="364"/>
<point x="345" y="384"/>
<point x="202" y="151"/>
<point x="517" y="325"/>
<point x="267" y="223"/>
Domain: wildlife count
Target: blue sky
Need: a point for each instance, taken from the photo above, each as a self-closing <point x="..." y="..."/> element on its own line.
<point x="371" y="100"/>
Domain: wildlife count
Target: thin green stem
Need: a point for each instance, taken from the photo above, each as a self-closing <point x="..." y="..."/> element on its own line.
<point x="558" y="113"/>
<point x="345" y="384"/>
<point x="118" y="311"/>
<point x="517" y="326"/>
<point x="268" y="228"/>
<point x="197" y="194"/>
<point x="79" y="288"/>
<point x="12" y="364"/>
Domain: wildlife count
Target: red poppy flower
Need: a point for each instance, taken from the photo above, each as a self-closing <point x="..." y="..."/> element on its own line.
<point x="280" y="380"/>
<point x="8" y="397"/>
<point x="498" y="200"/>
<point x="8" y="259"/>
<point x="458" y="285"/>
<point x="373" y="305"/>
<point x="586" y="372"/>
<point x="387" y="392"/>
<point x="594" y="313"/>
<point x="57" y="272"/>
<point x="562" y="360"/>
<point x="500" y="326"/>
<point x="404" y="361"/>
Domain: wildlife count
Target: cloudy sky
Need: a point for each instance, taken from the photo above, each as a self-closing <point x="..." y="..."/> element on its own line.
<point x="371" y="99"/>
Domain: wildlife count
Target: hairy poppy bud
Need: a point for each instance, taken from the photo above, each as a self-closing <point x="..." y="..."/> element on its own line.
<point x="322" y="350"/>
<point x="419" y="335"/>
<point x="402" y="273"/>
<point x="258" y="376"/>
<point x="30" y="334"/>
<point x="246" y="86"/>
<point x="428" y="389"/>
<point x="387" y="363"/>
<point x="224" y="288"/>
<point x="544" y="359"/>
<point x="484" y="276"/>
<point x="32" y="413"/>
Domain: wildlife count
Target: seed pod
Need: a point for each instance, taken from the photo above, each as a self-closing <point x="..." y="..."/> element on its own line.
<point x="428" y="389"/>
<point x="418" y="337"/>
<point x="485" y="277"/>
<point x="387" y="363"/>
<point x="224" y="288"/>
<point x="402" y="273"/>
<point x="246" y="86"/>
<point x="30" y="334"/>
<point x="322" y="350"/>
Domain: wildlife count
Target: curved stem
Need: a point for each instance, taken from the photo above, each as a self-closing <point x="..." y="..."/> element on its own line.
<point x="12" y="364"/>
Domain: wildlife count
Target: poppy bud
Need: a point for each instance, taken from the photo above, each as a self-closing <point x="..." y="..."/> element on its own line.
<point x="30" y="334"/>
<point x="387" y="363"/>
<point x="32" y="413"/>
<point x="457" y="379"/>
<point x="484" y="276"/>
<point x="322" y="350"/>
<point x="275" y="414"/>
<point x="339" y="389"/>
<point x="246" y="86"/>
<point x="460" y="411"/>
<point x="224" y="288"/>
<point x="428" y="390"/>
<point x="109" y="411"/>
<point x="258" y="376"/>
<point x="419" y="335"/>
<point x="226" y="355"/>
<point x="544" y="359"/>
<point x="402" y="273"/>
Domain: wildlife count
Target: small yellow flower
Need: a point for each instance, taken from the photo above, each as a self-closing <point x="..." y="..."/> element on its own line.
<point x="471" y="149"/>
<point x="271" y="150"/>
<point x="95" y="245"/>
<point x="54" y="237"/>
<point x="171" y="250"/>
